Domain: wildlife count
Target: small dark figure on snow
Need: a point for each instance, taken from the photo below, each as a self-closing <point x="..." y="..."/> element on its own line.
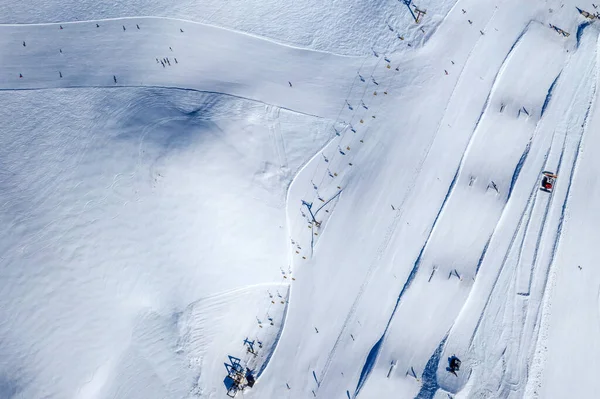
<point x="20" y="75"/>
<point x="97" y="26"/>
<point x="471" y="22"/>
<point x="60" y="50"/>
<point x="115" y="78"/>
<point x="24" y="44"/>
<point x="494" y="186"/>
<point x="176" y="61"/>
<point x="61" y="27"/>
<point x="124" y="27"/>
<point x="137" y="26"/>
<point x="290" y="83"/>
<point x="180" y="30"/>
<point x="60" y="74"/>
<point x="170" y="49"/>
<point x="453" y="364"/>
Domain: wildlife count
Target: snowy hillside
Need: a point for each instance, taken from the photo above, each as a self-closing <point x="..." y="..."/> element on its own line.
<point x="329" y="195"/>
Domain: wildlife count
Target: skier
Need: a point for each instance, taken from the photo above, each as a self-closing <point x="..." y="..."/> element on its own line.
<point x="124" y="27"/>
<point x="24" y="43"/>
<point x="20" y="75"/>
<point x="61" y="27"/>
<point x="97" y="26"/>
<point x="180" y="30"/>
<point x="290" y="83"/>
<point x="176" y="61"/>
<point x="137" y="26"/>
<point x="115" y="78"/>
<point x="453" y="365"/>
<point x="60" y="74"/>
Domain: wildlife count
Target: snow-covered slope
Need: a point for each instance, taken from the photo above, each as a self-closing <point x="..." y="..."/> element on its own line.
<point x="345" y="26"/>
<point x="330" y="194"/>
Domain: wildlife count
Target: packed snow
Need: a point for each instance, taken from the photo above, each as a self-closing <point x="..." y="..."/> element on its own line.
<point x="331" y="198"/>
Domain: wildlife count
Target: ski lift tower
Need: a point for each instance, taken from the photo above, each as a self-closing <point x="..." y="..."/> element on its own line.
<point x="408" y="4"/>
<point x="309" y="205"/>
<point x="419" y="13"/>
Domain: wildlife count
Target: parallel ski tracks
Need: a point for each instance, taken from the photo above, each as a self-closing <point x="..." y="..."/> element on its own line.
<point x="399" y="213"/>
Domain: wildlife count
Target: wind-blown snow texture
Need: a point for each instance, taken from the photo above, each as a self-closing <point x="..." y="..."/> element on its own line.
<point x="329" y="193"/>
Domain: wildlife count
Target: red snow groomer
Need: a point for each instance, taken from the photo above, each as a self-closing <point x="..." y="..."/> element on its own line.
<point x="548" y="180"/>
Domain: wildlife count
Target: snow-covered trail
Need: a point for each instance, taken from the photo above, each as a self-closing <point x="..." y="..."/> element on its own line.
<point x="345" y="26"/>
<point x="515" y="94"/>
<point x="148" y="168"/>
<point x="498" y="326"/>
<point x="446" y="269"/>
<point x="570" y="320"/>
<point x="426" y="194"/>
<point x="200" y="57"/>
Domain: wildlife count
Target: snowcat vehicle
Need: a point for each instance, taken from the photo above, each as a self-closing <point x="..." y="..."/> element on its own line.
<point x="548" y="180"/>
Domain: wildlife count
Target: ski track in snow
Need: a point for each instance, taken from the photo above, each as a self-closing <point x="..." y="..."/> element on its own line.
<point x="534" y="235"/>
<point x="270" y="106"/>
<point x="372" y="357"/>
<point x="184" y="21"/>
<point x="538" y="347"/>
<point x="389" y="234"/>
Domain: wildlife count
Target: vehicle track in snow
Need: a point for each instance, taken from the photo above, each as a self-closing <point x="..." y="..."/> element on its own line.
<point x="527" y="264"/>
<point x="537" y="353"/>
<point x="459" y="171"/>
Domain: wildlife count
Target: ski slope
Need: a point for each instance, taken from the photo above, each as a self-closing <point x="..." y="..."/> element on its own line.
<point x="332" y="195"/>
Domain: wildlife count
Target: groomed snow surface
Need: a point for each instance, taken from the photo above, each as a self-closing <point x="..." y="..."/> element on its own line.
<point x="329" y="194"/>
